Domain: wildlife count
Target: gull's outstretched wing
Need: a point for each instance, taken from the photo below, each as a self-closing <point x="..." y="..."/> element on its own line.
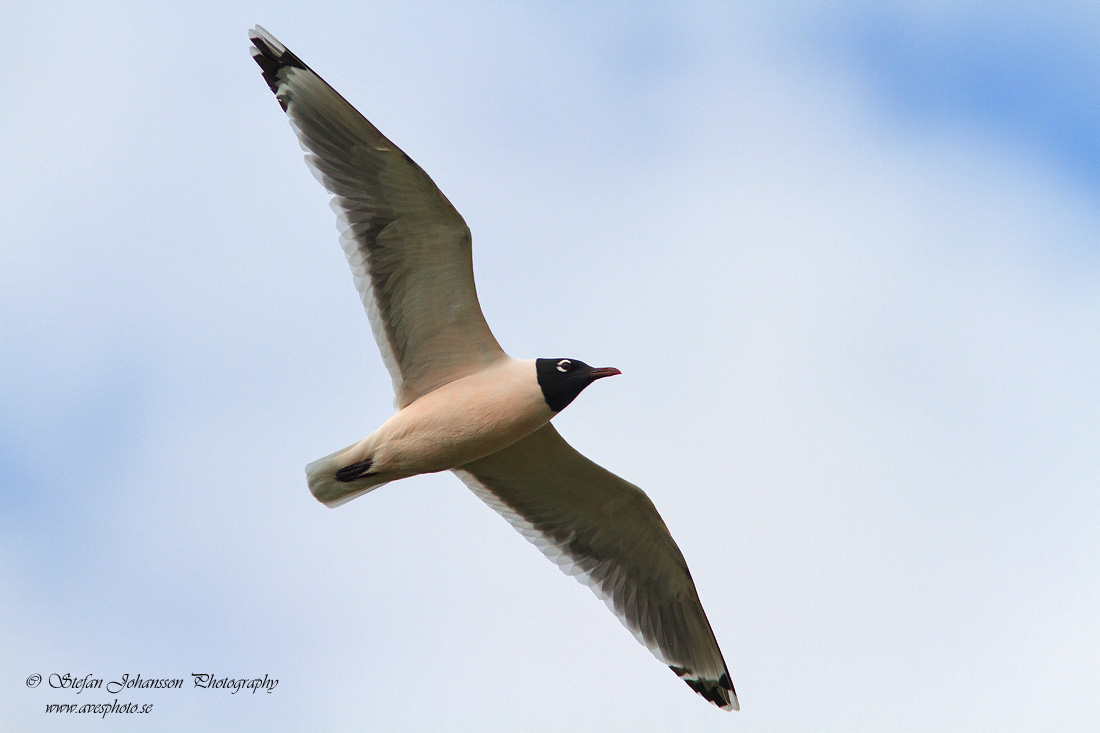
<point x="607" y="533"/>
<point x="408" y="248"/>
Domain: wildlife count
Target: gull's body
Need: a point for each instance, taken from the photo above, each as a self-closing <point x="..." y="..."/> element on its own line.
<point x="466" y="406"/>
<point x="462" y="421"/>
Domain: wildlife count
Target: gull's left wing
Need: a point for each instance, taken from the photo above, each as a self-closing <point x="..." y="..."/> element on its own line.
<point x="606" y="532"/>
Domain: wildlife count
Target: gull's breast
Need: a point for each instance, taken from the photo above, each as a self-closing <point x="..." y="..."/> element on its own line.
<point x="462" y="421"/>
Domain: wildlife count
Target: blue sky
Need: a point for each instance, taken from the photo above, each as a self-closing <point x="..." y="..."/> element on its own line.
<point x="845" y="258"/>
<point x="1028" y="82"/>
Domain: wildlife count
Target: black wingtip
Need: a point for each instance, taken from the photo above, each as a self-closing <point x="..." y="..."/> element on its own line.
<point x="719" y="692"/>
<point x="272" y="57"/>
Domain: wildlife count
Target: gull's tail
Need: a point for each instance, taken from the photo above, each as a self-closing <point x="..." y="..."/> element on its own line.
<point x="338" y="477"/>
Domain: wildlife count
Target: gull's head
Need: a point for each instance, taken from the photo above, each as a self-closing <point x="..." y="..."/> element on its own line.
<point x="561" y="380"/>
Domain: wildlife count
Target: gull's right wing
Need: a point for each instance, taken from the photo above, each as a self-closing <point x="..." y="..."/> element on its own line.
<point x="409" y="249"/>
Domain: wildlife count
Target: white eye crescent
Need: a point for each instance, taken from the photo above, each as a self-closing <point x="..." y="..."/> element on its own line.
<point x="563" y="365"/>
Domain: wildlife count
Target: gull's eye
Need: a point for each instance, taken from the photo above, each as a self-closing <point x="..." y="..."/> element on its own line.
<point x="564" y="365"/>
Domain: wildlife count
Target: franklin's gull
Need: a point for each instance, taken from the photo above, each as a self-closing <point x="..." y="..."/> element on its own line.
<point x="463" y="404"/>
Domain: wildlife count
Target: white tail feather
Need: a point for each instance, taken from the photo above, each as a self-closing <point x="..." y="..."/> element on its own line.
<point x="323" y="484"/>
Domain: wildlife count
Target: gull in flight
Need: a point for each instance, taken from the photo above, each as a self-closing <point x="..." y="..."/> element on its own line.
<point x="464" y="405"/>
